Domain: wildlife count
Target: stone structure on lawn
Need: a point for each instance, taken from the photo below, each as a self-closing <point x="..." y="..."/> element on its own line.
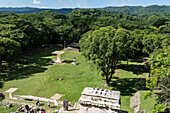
<point x="56" y="97"/>
<point x="72" y="47"/>
<point x="135" y="102"/>
<point x="95" y="100"/>
<point x="74" y="61"/>
<point x="11" y="91"/>
<point x="58" y="53"/>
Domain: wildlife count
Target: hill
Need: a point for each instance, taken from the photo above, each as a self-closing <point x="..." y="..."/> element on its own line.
<point x="139" y="10"/>
<point x="24" y="10"/>
<point x="130" y="10"/>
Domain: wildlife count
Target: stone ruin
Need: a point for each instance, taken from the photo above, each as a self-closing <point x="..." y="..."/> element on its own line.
<point x="74" y="61"/>
<point x="135" y="103"/>
<point x="58" y="53"/>
<point x="95" y="100"/>
<point x="73" y="47"/>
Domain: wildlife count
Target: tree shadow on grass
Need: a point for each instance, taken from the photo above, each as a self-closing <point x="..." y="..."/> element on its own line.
<point x="1" y="84"/>
<point x="128" y="86"/>
<point x="136" y="60"/>
<point x="68" y="61"/>
<point x="37" y="58"/>
<point x="136" y="69"/>
<point x="28" y="65"/>
<point x="22" y="73"/>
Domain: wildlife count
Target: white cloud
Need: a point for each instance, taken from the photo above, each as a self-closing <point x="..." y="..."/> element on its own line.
<point x="120" y="3"/>
<point x="59" y="0"/>
<point x="81" y="5"/>
<point x="36" y="2"/>
<point x="78" y="5"/>
<point x="43" y="7"/>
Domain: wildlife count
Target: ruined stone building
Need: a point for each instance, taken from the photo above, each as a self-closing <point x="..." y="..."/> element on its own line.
<point x="95" y="100"/>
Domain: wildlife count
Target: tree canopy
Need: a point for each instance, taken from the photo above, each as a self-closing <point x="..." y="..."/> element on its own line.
<point x="105" y="47"/>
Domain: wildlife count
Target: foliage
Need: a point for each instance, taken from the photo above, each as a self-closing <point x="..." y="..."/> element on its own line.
<point x="91" y="13"/>
<point x="165" y="28"/>
<point x="151" y="42"/>
<point x="139" y="10"/>
<point x="160" y="71"/>
<point x="159" y="108"/>
<point x="9" y="50"/>
<point x="128" y="42"/>
<point x="105" y="47"/>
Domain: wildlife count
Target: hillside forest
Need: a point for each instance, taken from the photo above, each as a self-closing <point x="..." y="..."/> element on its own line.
<point x="104" y="38"/>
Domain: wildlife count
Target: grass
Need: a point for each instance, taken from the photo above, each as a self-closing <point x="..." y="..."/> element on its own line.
<point x="32" y="103"/>
<point x="36" y="78"/>
<point x="8" y="110"/>
<point x="147" y="104"/>
<point x="45" y="83"/>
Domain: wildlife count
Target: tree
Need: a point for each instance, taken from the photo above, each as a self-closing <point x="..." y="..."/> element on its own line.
<point x="137" y="45"/>
<point x="160" y="77"/>
<point x="16" y="29"/>
<point x="151" y="42"/>
<point x="65" y="33"/>
<point x="9" y="50"/>
<point x="101" y="47"/>
<point x="165" y="28"/>
<point x="127" y="42"/>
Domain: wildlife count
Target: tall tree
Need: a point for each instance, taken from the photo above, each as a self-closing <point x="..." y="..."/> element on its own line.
<point x="160" y="78"/>
<point x="101" y="47"/>
<point x="66" y="34"/>
<point x="127" y="42"/>
<point x="151" y="42"/>
<point x="9" y="50"/>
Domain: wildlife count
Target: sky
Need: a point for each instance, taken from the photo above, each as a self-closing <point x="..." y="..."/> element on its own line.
<point x="79" y="3"/>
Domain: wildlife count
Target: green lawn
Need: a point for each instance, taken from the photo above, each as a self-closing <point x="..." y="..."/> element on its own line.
<point x="8" y="110"/>
<point x="36" y="78"/>
<point x="147" y="104"/>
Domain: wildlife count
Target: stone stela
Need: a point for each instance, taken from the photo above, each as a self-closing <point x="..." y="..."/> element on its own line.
<point x="65" y="105"/>
<point x="58" y="53"/>
<point x="95" y="100"/>
<point x="74" y="61"/>
<point x="135" y="102"/>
